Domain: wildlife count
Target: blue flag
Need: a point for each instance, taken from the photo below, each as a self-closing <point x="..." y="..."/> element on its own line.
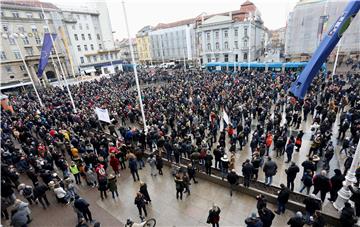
<point x="45" y="53"/>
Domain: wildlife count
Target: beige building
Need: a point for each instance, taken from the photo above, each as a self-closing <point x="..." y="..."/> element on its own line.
<point x="124" y="48"/>
<point x="25" y="18"/>
<point x="143" y="45"/>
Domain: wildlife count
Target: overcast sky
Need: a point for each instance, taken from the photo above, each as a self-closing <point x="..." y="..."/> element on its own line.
<point x="151" y="12"/>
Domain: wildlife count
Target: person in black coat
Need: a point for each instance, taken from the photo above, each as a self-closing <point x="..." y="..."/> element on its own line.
<point x="355" y="197"/>
<point x="214" y="216"/>
<point x="247" y="171"/>
<point x="159" y="164"/>
<point x="291" y="173"/>
<point x="103" y="187"/>
<point x="297" y="220"/>
<point x="191" y="172"/>
<point x="336" y="184"/>
<point x="83" y="206"/>
<point x="321" y="183"/>
<point x="266" y="216"/>
<point x="40" y="193"/>
<point x="140" y="204"/>
<point x="312" y="203"/>
<point x="143" y="190"/>
<point x="308" y="165"/>
<point x="319" y="220"/>
<point x="208" y="162"/>
<point x="261" y="202"/>
<point x="232" y="178"/>
<point x="282" y="199"/>
<point x="347" y="217"/>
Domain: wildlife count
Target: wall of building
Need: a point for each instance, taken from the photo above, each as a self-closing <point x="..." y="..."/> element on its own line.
<point x="303" y="32"/>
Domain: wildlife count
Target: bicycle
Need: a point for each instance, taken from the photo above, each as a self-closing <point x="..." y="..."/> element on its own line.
<point x="148" y="223"/>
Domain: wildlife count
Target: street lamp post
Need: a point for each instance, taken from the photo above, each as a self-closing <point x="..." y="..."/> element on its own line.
<point x="350" y="179"/>
<point x="15" y="36"/>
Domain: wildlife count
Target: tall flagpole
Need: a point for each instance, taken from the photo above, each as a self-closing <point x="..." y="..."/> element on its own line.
<point x="134" y="68"/>
<point x="57" y="56"/>
<point x="336" y="60"/>
<point x="27" y="68"/>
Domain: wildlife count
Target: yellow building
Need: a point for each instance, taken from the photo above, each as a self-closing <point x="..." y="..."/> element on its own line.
<point x="143" y="45"/>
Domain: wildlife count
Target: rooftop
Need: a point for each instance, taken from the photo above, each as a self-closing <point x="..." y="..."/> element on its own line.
<point x="32" y="3"/>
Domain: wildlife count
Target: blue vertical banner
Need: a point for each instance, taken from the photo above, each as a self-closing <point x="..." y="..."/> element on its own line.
<point x="45" y="52"/>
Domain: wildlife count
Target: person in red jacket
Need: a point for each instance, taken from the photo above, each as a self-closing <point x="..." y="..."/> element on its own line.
<point x="269" y="140"/>
<point x="115" y="163"/>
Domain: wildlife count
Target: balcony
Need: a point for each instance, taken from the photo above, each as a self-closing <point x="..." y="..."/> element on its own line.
<point x="70" y="20"/>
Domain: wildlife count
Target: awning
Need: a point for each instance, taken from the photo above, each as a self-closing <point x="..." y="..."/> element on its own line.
<point x="89" y="70"/>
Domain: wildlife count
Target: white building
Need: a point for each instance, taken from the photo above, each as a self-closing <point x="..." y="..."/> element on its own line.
<point x="235" y="36"/>
<point x="26" y="19"/>
<point x="91" y="40"/>
<point x="173" y="41"/>
<point x="310" y="21"/>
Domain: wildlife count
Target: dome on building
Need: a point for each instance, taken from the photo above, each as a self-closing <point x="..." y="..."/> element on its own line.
<point x="247" y="7"/>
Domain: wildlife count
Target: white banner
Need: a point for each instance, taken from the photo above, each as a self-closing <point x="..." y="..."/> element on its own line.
<point x="226" y="117"/>
<point x="103" y="115"/>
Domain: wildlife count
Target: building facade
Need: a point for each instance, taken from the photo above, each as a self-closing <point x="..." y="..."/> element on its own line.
<point x="275" y="46"/>
<point x="236" y="36"/>
<point x="143" y="45"/>
<point x="25" y="18"/>
<point x="124" y="50"/>
<point x="173" y="41"/>
<point x="91" y="40"/>
<point x="308" y="23"/>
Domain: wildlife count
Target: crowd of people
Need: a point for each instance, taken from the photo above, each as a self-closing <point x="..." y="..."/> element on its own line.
<point x="201" y="116"/>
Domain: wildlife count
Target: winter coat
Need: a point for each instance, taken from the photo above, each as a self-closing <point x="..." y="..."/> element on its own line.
<point x="270" y="168"/>
<point x="81" y="204"/>
<point x="19" y="218"/>
<point x="132" y="165"/>
<point x="103" y="183"/>
<point x="311" y="205"/>
<point x="140" y="201"/>
<point x="247" y="170"/>
<point x="159" y="162"/>
<point x="214" y="216"/>
<point x="253" y="222"/>
<point x="115" y="163"/>
<point x="291" y="172"/>
<point x="336" y="182"/>
<point x="283" y="195"/>
<point x="232" y="178"/>
<point x="296" y="222"/>
<point x="112" y="184"/>
<point x="266" y="216"/>
<point x="322" y="183"/>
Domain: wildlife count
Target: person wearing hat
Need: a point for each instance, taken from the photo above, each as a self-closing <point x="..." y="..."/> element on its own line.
<point x="297" y="220"/>
<point x="224" y="166"/>
<point x="336" y="184"/>
<point x="20" y="214"/>
<point x="253" y="221"/>
<point x="112" y="185"/>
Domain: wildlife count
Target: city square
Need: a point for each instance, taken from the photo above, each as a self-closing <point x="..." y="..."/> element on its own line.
<point x="213" y="119"/>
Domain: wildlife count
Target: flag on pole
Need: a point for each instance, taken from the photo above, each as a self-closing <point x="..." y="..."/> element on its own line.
<point x="45" y="53"/>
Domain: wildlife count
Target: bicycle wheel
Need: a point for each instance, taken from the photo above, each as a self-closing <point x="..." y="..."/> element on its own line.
<point x="150" y="223"/>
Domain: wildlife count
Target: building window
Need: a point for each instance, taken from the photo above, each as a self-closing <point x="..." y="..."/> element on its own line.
<point x="209" y="59"/>
<point x="37" y="40"/>
<point x="8" y="69"/>
<point x="46" y="29"/>
<point x="245" y="43"/>
<point x="79" y="47"/>
<point x="236" y="45"/>
<point x="111" y="56"/>
<point x="245" y="32"/>
<point x="34" y="28"/>
<point x="29" y="15"/>
<point x="29" y="51"/>
<point x="41" y="15"/>
<point x="95" y="58"/>
<point x="101" y="57"/>
<point x="217" y="46"/>
<point x="208" y="35"/>
<point x="116" y="55"/>
<point x="83" y="36"/>
<point x="5" y="27"/>
<point x="106" y="57"/>
<point x="92" y="46"/>
<point x="21" y="29"/>
<point x="76" y="37"/>
<point x="100" y="46"/>
<point x="208" y="46"/>
<point x="226" y="57"/>
<point x="26" y="40"/>
<point x="15" y="14"/>
<point x="88" y="59"/>
<point x="2" y="13"/>
<point x="236" y="33"/>
<point x="87" y="26"/>
<point x="217" y="35"/>
<point x="82" y="60"/>
<point x="85" y="47"/>
<point x="226" y="33"/>
<point x="245" y="56"/>
<point x="226" y="45"/>
<point x="89" y="35"/>
<point x="2" y="55"/>
<point x="73" y="27"/>
<point x="98" y="36"/>
<point x="12" y="41"/>
<point x="80" y="26"/>
<point x="22" y="68"/>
